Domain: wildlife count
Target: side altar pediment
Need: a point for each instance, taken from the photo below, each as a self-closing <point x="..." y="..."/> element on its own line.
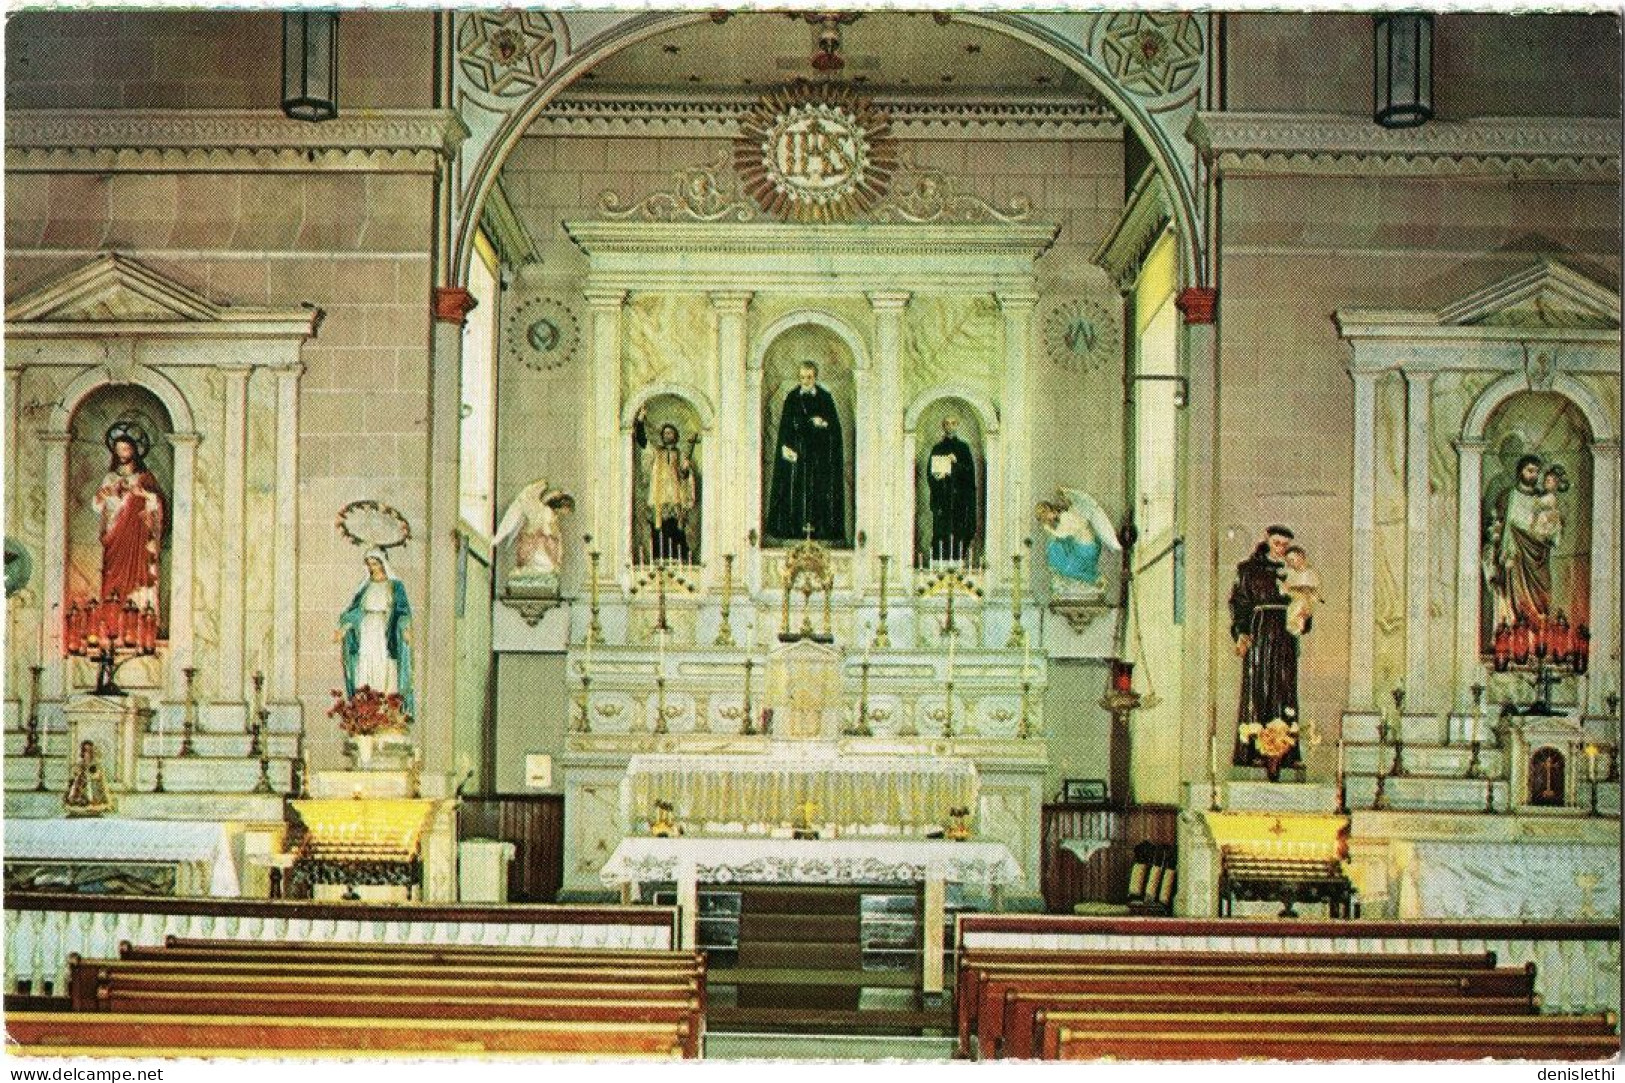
<point x="1547" y="300"/>
<point x="113" y="294"/>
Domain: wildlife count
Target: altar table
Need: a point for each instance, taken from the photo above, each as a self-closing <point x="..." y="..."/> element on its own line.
<point x="200" y="852"/>
<point x="689" y="862"/>
<point x="902" y="792"/>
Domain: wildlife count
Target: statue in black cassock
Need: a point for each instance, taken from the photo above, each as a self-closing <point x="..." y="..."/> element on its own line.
<point x="809" y="470"/>
<point x="951" y="476"/>
<point x="1268" y="650"/>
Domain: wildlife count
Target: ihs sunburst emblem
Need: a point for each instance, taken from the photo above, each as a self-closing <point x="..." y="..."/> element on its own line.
<point x="815" y="153"/>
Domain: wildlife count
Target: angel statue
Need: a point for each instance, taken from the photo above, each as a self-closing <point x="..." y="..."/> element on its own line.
<point x="535" y="520"/>
<point x="1078" y="526"/>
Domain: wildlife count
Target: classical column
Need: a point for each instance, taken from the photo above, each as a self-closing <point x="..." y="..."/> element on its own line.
<point x="890" y="533"/>
<point x="434" y="632"/>
<point x="285" y="535"/>
<point x="54" y="563"/>
<point x="182" y="569"/>
<point x="1604" y="568"/>
<point x="1469" y="577"/>
<point x="1418" y="436"/>
<point x="727" y="519"/>
<point x="1362" y="588"/>
<point x="1202" y="657"/>
<point x="1018" y="334"/>
<point x="751" y="480"/>
<point x="234" y="441"/>
<point x="612" y="510"/>
<point x="14" y="395"/>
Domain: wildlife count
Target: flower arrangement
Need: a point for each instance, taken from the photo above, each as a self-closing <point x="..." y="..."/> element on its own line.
<point x="1273" y="740"/>
<point x="369" y="712"/>
<point x="663" y="826"/>
<point x="958" y="829"/>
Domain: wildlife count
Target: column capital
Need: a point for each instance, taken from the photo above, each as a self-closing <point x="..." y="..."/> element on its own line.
<point x="185" y="439"/>
<point x="1197" y="304"/>
<point x="1418" y="377"/>
<point x="600" y="300"/>
<point x="50" y="436"/>
<point x="285" y="369"/>
<point x="451" y="304"/>
<point x="235" y="368"/>
<point x="1014" y="301"/>
<point x="1604" y="448"/>
<point x="889" y="300"/>
<point x="731" y="302"/>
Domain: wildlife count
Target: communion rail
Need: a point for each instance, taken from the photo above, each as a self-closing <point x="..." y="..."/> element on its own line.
<point x="42" y="930"/>
<point x="1577" y="967"/>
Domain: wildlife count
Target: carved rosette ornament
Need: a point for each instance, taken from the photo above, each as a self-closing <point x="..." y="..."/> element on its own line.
<point x="815" y="153"/>
<point x="506" y="53"/>
<point x="1155" y="53"/>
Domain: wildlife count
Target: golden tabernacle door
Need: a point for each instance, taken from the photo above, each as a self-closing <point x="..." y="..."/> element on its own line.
<point x="804" y="691"/>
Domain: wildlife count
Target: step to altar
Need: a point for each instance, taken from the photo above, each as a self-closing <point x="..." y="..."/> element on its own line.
<point x="30" y="804"/>
<point x="1419" y="729"/>
<point x="1423" y="761"/>
<point x="1242" y="795"/>
<point x="1418" y="794"/>
<point x="189" y="774"/>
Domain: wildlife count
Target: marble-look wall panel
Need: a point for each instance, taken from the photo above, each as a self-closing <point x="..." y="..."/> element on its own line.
<point x="38" y="390"/>
<point x="205" y="389"/>
<point x="669" y="338"/>
<point x="952" y="340"/>
<point x="259" y="517"/>
<point x="1389" y="539"/>
<point x="768" y="308"/>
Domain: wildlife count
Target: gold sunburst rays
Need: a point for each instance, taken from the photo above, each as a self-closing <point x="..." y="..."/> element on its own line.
<point x="815" y="153"/>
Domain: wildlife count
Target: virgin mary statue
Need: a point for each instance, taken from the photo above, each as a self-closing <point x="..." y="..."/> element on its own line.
<point x="375" y="633"/>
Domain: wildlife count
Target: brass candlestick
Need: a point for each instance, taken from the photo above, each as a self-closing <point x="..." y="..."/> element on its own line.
<point x="882" y="638"/>
<point x="725" y="634"/>
<point x="595" y="630"/>
<point x="1018" y="634"/>
<point x="256" y="728"/>
<point x="189" y="715"/>
<point x="750" y="722"/>
<point x="1024" y="729"/>
<point x="862" y="728"/>
<point x="585" y="723"/>
<point x="158" y="775"/>
<point x="660" y="704"/>
<point x="32" y="745"/>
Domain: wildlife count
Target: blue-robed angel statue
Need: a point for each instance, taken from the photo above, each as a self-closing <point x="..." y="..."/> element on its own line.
<point x="1078" y="527"/>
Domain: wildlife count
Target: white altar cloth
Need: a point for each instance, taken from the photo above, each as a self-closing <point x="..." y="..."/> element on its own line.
<point x="200" y="851"/>
<point x="902" y="792"/>
<point x="810" y="861"/>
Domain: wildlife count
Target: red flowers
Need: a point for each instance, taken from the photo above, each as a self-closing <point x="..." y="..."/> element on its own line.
<point x="369" y="711"/>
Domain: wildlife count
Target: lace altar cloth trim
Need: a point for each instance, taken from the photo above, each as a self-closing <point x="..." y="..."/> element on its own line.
<point x="902" y="792"/>
<point x="202" y="849"/>
<point x="810" y="861"/>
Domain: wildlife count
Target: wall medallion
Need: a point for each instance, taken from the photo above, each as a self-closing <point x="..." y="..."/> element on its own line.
<point x="815" y="153"/>
<point x="542" y="334"/>
<point x="1080" y="335"/>
<point x="507" y="53"/>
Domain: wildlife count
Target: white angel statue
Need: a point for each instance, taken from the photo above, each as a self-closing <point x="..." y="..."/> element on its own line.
<point x="534" y="520"/>
<point x="1078" y="527"/>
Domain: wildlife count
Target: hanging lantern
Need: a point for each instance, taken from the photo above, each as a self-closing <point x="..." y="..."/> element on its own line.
<point x="1402" y="87"/>
<point x="310" y="65"/>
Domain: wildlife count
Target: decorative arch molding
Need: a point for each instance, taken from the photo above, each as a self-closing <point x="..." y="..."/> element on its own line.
<point x="690" y="394"/>
<point x="94" y="379"/>
<point x="987" y="415"/>
<point x="503" y="69"/>
<point x="816" y="318"/>
<point x="115" y="321"/>
<point x="1484" y="407"/>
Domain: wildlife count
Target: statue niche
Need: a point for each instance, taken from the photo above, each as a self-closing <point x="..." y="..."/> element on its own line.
<point x="809" y="433"/>
<point x="667" y="478"/>
<point x="950" y="480"/>
<point x="1536" y="555"/>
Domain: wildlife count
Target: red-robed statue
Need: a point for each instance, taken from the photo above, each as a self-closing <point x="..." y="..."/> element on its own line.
<point x="131" y="508"/>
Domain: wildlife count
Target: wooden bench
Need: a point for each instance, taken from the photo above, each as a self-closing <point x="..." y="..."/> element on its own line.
<point x="982" y="984"/>
<point x="145" y="1035"/>
<point x="180" y="947"/>
<point x="1022" y="1037"/>
<point x="1218" y="1042"/>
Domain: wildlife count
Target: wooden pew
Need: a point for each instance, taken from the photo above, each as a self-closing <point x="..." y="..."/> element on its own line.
<point x="1219" y="1042"/>
<point x="972" y="963"/>
<point x="981" y="996"/>
<point x="179" y="947"/>
<point x="144" y="1035"/>
<point x="1021" y="1037"/>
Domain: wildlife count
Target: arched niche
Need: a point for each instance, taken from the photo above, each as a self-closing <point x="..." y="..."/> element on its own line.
<point x="924" y="434"/>
<point x="832" y="353"/>
<point x="676" y="533"/>
<point x="111" y="410"/>
<point x="1537" y="527"/>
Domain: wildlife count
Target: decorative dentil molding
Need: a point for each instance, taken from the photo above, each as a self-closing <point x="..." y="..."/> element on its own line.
<point x="713" y="193"/>
<point x="1143" y="219"/>
<point x="186" y="140"/>
<point x="632" y="115"/>
<point x="1280" y="144"/>
<point x="116" y="296"/>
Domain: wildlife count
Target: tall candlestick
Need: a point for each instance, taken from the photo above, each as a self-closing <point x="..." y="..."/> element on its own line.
<point x="725" y="633"/>
<point x="1017" y="631"/>
<point x="595" y="631"/>
<point x="882" y="638"/>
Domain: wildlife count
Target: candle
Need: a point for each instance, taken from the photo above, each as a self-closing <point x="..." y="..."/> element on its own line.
<point x="1591" y="763"/>
<point x="951" y="638"/>
<point x="1026" y="655"/>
